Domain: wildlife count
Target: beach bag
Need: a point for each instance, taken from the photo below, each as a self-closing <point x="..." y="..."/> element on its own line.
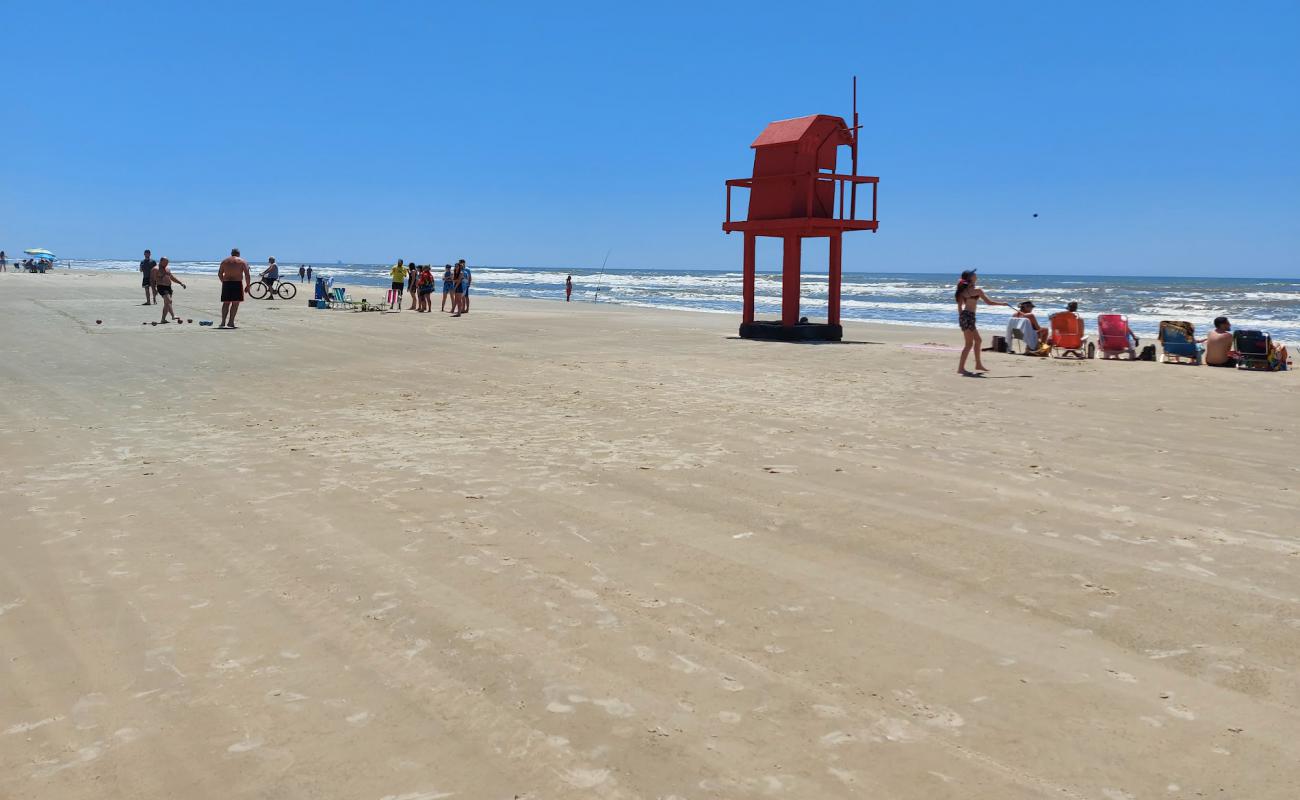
<point x="1148" y="353"/>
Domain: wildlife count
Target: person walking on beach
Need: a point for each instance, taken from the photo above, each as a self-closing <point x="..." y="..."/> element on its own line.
<point x="235" y="280"/>
<point x="302" y="272"/>
<point x="309" y="274"/>
<point x="398" y="274"/>
<point x="568" y="288"/>
<point x="446" y="285"/>
<point x="162" y="281"/>
<point x="4" y="262"/>
<point x="146" y="278"/>
<point x="968" y="296"/>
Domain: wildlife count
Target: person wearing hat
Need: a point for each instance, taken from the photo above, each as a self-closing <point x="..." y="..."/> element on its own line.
<point x="968" y="295"/>
<point x="1044" y="336"/>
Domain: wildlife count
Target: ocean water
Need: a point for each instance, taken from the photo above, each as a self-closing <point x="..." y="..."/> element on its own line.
<point x="892" y="298"/>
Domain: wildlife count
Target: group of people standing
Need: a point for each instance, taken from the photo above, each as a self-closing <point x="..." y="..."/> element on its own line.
<point x="421" y="283"/>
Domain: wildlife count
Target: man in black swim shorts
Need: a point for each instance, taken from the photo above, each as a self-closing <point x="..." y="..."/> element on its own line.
<point x="235" y="280"/>
<point x="146" y="279"/>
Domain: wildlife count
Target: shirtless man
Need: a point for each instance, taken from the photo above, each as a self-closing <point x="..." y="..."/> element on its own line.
<point x="162" y="281"/>
<point x="1218" y="345"/>
<point x="235" y="280"/>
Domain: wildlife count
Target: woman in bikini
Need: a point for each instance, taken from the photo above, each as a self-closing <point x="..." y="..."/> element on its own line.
<point x="967" y="297"/>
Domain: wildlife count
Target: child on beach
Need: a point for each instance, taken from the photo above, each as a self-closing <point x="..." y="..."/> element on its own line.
<point x="967" y="297"/>
<point x="446" y="285"/>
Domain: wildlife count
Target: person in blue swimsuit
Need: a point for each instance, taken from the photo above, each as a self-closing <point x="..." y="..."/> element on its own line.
<point x="446" y="285"/>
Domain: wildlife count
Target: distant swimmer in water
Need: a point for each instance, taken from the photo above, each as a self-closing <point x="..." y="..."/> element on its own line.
<point x="235" y="280"/>
<point x="968" y="296"/>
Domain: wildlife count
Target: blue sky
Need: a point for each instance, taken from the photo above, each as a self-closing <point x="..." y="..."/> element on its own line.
<point x="1151" y="138"/>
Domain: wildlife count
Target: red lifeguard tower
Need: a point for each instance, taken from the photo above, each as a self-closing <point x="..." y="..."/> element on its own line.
<point x="793" y="195"/>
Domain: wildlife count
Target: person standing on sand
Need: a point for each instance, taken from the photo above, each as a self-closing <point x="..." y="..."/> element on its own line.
<point x="398" y="274"/>
<point x="446" y="285"/>
<point x="455" y="290"/>
<point x="235" y="280"/>
<point x="302" y="272"/>
<point x="146" y="278"/>
<point x="162" y="281"/>
<point x="466" y="280"/>
<point x="568" y="288"/>
<point x="967" y="297"/>
<point x="309" y="274"/>
<point x="412" y="284"/>
<point x="427" y="284"/>
<point x="4" y="262"/>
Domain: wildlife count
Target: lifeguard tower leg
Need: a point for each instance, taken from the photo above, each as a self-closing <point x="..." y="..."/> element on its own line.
<point x="790" y="281"/>
<point x="833" y="282"/>
<point x="747" y="291"/>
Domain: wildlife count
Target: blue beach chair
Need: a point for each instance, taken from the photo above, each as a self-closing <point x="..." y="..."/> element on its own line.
<point x="1252" y="349"/>
<point x="1178" y="342"/>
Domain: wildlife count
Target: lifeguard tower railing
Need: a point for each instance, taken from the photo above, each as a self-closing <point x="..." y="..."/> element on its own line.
<point x="842" y="217"/>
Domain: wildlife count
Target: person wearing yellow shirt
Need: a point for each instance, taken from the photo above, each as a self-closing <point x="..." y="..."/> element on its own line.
<point x="399" y="280"/>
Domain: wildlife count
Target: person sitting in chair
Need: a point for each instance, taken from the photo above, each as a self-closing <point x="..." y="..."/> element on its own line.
<point x="1218" y="345"/>
<point x="1037" y="338"/>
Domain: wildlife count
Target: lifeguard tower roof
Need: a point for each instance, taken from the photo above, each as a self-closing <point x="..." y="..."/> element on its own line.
<point x="790" y="131"/>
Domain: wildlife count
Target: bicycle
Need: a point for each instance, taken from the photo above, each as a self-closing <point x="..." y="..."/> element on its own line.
<point x="281" y="289"/>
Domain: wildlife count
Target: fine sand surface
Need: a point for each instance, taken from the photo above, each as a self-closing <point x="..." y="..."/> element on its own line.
<point x="572" y="551"/>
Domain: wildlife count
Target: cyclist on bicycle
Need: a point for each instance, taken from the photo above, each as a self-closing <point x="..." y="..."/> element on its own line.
<point x="271" y="274"/>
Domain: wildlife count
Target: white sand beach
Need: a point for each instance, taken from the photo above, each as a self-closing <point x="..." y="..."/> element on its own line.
<point x="586" y="551"/>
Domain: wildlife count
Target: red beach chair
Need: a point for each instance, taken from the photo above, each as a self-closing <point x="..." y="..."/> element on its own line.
<point x="1068" y="339"/>
<point x="1113" y="336"/>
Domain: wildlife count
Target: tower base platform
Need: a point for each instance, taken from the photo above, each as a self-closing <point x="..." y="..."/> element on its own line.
<point x="799" y="332"/>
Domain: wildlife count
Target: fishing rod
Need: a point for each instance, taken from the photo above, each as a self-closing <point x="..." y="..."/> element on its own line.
<point x="596" y="297"/>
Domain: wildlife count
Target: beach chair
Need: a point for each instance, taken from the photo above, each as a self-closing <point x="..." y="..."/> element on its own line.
<point x="341" y="300"/>
<point x="1068" y="338"/>
<point x="1113" y="336"/>
<point x="1252" y="349"/>
<point x="1178" y="342"/>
